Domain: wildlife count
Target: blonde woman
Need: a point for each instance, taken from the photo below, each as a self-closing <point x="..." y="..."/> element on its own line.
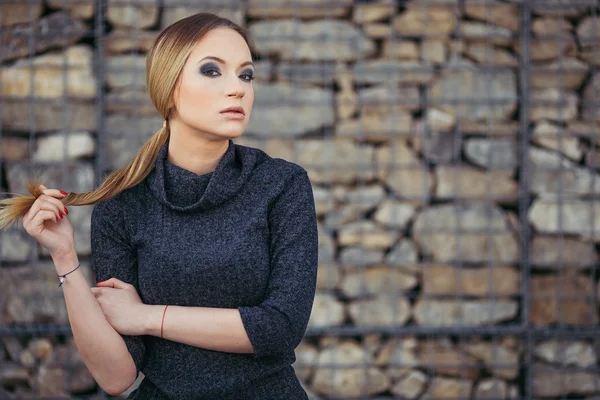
<point x="205" y="251"/>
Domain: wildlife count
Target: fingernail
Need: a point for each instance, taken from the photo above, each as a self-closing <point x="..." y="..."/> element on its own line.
<point x="66" y="211"/>
<point x="100" y="282"/>
<point x="60" y="215"/>
<point x="63" y="192"/>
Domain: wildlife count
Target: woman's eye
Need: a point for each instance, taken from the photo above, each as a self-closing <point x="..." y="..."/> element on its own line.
<point x="247" y="77"/>
<point x="211" y="72"/>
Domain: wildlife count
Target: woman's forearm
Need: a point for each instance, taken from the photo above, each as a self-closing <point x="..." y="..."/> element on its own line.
<point x="218" y="329"/>
<point x="102" y="348"/>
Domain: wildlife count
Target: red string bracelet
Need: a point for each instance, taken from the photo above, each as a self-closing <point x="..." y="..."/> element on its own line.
<point x="163" y="321"/>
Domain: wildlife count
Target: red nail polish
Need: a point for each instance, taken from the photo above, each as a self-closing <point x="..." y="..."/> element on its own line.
<point x="60" y="215"/>
<point x="66" y="211"/>
<point x="63" y="192"/>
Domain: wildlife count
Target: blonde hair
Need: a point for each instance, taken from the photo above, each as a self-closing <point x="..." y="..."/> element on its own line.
<point x="164" y="63"/>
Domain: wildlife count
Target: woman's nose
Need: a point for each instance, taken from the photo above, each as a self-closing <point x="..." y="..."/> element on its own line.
<point x="236" y="88"/>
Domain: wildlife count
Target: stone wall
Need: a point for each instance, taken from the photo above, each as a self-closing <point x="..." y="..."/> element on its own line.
<point x="453" y="159"/>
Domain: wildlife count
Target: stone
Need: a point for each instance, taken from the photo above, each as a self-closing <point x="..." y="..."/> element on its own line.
<point x="126" y="134"/>
<point x="565" y="73"/>
<point x="410" y="386"/>
<point x="133" y="101"/>
<point x="56" y="75"/>
<point x="335" y="160"/>
<point x="20" y="13"/>
<point x="487" y="54"/>
<point x="445" y="359"/>
<point x="360" y="257"/>
<point x="40" y="348"/>
<point x="563" y="300"/>
<point x="554" y="137"/>
<point x="48" y="115"/>
<point x="584" y="129"/>
<point x="590" y="98"/>
<point x="15" y="244"/>
<point x="302" y="9"/>
<point x="83" y="9"/>
<point x="435" y="233"/>
<point x="381" y="101"/>
<point x="14" y="149"/>
<point x="561" y="352"/>
<point x="64" y="146"/>
<point x="490" y="389"/>
<point x="439" y="120"/>
<point x="425" y="21"/>
<point x="561" y="253"/>
<point x="495" y="154"/>
<point x="275" y="147"/>
<point x="121" y="40"/>
<point x="306" y="358"/>
<point x="125" y="71"/>
<point x="592" y="158"/>
<point x="463" y="313"/>
<point x="499" y="87"/>
<point x="130" y="14"/>
<point x="30" y="296"/>
<point x="464" y="182"/>
<point x="394" y="214"/>
<point x="489" y="281"/>
<point x="324" y="203"/>
<point x="566" y="8"/>
<point x="321" y="40"/>
<point x="495" y="12"/>
<point x="326" y="311"/>
<point x="366" y="234"/>
<point x="341" y="216"/>
<point x="447" y="388"/>
<point x="400" y="49"/>
<point x="403" y="172"/>
<point x="433" y="51"/>
<point x="64" y="31"/>
<point x="403" y="254"/>
<point x="12" y="374"/>
<point x="326" y="244"/>
<point x="13" y="347"/>
<point x="567" y="217"/>
<point x="384" y="310"/>
<point x="174" y="10"/>
<point x="71" y="177"/>
<point x="398" y="356"/>
<point x="544" y="49"/>
<point x="473" y="31"/>
<point x="372" y="12"/>
<point x="549" y="173"/>
<point x="374" y="128"/>
<point x="377" y="280"/>
<point x="347" y="380"/>
<point x="500" y="360"/>
<point x="440" y="147"/>
<point x="346" y="103"/>
<point x="588" y="39"/>
<point x="555" y="381"/>
<point x="329" y="276"/>
<point x="274" y="116"/>
<point x="319" y="74"/>
<point x="363" y="197"/>
<point x="392" y="72"/>
<point x="27" y="359"/>
<point x="490" y="128"/>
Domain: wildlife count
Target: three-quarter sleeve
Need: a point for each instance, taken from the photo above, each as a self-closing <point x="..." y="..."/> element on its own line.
<point x="279" y="322"/>
<point x="113" y="256"/>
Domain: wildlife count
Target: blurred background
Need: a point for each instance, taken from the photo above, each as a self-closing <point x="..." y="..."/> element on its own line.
<point x="452" y="147"/>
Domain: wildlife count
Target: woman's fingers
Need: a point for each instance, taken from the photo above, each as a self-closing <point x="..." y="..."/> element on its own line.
<point x="56" y="202"/>
<point x="52" y="192"/>
<point x="42" y="216"/>
<point x="42" y="204"/>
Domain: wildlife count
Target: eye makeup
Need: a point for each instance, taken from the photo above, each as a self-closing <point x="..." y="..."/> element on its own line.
<point x="212" y="70"/>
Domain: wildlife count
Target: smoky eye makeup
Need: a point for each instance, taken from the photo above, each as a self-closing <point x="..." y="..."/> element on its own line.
<point x="209" y="69"/>
<point x="247" y="75"/>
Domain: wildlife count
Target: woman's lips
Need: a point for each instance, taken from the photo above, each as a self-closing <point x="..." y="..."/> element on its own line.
<point x="233" y="115"/>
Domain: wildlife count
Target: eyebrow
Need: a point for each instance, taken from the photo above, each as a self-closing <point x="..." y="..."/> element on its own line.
<point x="223" y="61"/>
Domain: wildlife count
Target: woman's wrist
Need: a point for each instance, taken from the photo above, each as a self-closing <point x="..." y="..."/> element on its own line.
<point x="153" y="322"/>
<point x="65" y="262"/>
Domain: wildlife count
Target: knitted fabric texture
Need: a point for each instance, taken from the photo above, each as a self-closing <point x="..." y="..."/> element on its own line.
<point x="243" y="236"/>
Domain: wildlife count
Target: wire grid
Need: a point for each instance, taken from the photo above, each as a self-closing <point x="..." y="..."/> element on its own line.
<point x="122" y="122"/>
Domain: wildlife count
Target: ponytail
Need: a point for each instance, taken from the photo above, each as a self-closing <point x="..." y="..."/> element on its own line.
<point x="11" y="209"/>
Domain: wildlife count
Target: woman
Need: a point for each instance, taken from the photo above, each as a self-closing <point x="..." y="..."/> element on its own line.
<point x="205" y="252"/>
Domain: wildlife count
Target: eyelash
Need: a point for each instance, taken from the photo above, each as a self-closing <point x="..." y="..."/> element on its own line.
<point x="249" y="77"/>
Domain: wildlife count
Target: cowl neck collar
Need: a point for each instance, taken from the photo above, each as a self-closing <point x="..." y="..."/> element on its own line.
<point x="183" y="190"/>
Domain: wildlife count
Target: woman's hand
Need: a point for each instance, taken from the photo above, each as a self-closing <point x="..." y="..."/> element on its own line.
<point x="46" y="222"/>
<point x="121" y="305"/>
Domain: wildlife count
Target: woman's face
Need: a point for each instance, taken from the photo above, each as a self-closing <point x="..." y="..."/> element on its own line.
<point x="216" y="76"/>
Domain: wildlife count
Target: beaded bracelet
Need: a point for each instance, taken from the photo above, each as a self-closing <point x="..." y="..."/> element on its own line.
<point x="61" y="278"/>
